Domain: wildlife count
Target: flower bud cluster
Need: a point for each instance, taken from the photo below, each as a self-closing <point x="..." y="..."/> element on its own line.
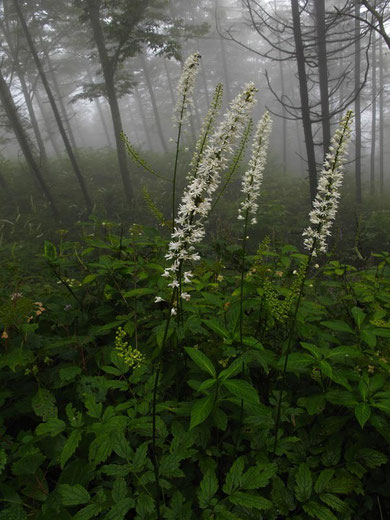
<point x="186" y="87"/>
<point x="196" y="200"/>
<point x="253" y="177"/>
<point x="328" y="191"/>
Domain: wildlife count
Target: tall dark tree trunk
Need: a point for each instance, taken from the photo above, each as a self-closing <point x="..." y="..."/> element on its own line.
<point x="323" y="72"/>
<point x="12" y="114"/>
<point x="154" y="103"/>
<point x="304" y="95"/>
<point x="373" y="115"/>
<point x="381" y="120"/>
<point x="141" y="110"/>
<point x="50" y="96"/>
<point x="24" y="87"/>
<point x="108" y="73"/>
<point x="283" y="97"/>
<point x="358" y="117"/>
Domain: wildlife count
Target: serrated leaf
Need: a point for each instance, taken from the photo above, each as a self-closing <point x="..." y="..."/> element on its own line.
<point x="318" y="511"/>
<point x="94" y="408"/>
<point x="239" y="498"/>
<point x="52" y="427"/>
<point x="342" y="485"/>
<point x="201" y="360"/>
<point x="88" y="512"/>
<point x="15" y="512"/>
<point x="119" y="490"/>
<point x="44" y="404"/>
<point x="100" y="448"/>
<point x="232" y="370"/>
<point x="120" y="510"/>
<point x="324" y="477"/>
<point x="334" y="502"/>
<point x="371" y="458"/>
<point x="201" y="409"/>
<point x="207" y="488"/>
<point x="243" y="390"/>
<point x="304" y="483"/>
<point x="139" y="460"/>
<point x="362" y="413"/>
<point x="70" y="446"/>
<point x="258" y="476"/>
<point x="145" y="505"/>
<point x="116" y="470"/>
<point x="73" y="495"/>
<point x="233" y="477"/>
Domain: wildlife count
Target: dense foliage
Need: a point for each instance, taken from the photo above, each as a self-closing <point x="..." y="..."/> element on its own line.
<point x="76" y="421"/>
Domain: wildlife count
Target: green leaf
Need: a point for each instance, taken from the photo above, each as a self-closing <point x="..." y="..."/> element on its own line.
<point x="52" y="427"/>
<point x="70" y="446"/>
<point x="73" y="495"/>
<point x="88" y="512"/>
<point x="314" y="404"/>
<point x="371" y="458"/>
<point x="334" y="502"/>
<point x="242" y="389"/>
<point x="201" y="410"/>
<point x="324" y="477"/>
<point x="101" y="448"/>
<point x="337" y="325"/>
<point x="49" y="250"/>
<point x="258" y="476"/>
<point x="239" y="498"/>
<point x="207" y="489"/>
<point x="304" y="483"/>
<point x="44" y="404"/>
<point x="119" y="490"/>
<point x="358" y="315"/>
<point x="343" y="485"/>
<point x="232" y="370"/>
<point x="136" y="293"/>
<point x="233" y="477"/>
<point x="326" y="369"/>
<point x="318" y="511"/>
<point x="312" y="349"/>
<point x="94" y="408"/>
<point x="362" y="413"/>
<point x="217" y="327"/>
<point x="120" y="510"/>
<point x="201" y="360"/>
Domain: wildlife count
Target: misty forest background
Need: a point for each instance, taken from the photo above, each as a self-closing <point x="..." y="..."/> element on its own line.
<point x="254" y="385"/>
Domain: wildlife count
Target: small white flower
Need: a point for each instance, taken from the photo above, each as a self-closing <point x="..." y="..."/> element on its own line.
<point x="186" y="296"/>
<point x="186" y="87"/>
<point x="158" y="299"/>
<point x="317" y="266"/>
<point x="173" y="311"/>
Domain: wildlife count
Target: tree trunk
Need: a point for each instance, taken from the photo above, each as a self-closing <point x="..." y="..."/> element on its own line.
<point x="323" y="72"/>
<point x="24" y="87"/>
<point x="358" y="117"/>
<point x="108" y="73"/>
<point x="57" y="116"/>
<point x="141" y="110"/>
<point x="12" y="114"/>
<point x="284" y="112"/>
<point x="154" y="103"/>
<point x="373" y="116"/>
<point x="381" y="120"/>
<point x="304" y="95"/>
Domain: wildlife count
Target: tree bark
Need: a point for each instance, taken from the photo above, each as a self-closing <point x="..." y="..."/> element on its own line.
<point x="46" y="119"/>
<point x="304" y="95"/>
<point x="358" y="117"/>
<point x="373" y="115"/>
<point x="381" y="120"/>
<point x="100" y="110"/>
<point x="12" y="114"/>
<point x="108" y="74"/>
<point x="323" y="72"/>
<point x="24" y="87"/>
<point x="50" y="96"/>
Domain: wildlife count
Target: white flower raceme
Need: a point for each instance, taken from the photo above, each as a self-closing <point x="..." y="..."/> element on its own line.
<point x="253" y="177"/>
<point x="186" y="87"/>
<point x="196" y="199"/>
<point x="328" y="191"/>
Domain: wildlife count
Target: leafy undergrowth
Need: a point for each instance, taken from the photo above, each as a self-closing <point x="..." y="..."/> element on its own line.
<point x="79" y="348"/>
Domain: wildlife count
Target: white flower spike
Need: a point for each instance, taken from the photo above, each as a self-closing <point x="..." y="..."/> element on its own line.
<point x="328" y="192"/>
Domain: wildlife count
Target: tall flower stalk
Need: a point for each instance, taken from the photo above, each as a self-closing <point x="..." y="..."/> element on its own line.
<point x="250" y="187"/>
<point x="321" y="217"/>
<point x="185" y="90"/>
